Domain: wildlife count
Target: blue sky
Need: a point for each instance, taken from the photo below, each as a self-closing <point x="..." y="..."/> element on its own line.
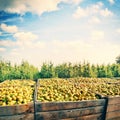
<point x="60" y="31"/>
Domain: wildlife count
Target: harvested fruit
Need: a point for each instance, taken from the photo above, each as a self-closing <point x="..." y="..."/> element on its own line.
<point x="76" y="89"/>
<point x="16" y="92"/>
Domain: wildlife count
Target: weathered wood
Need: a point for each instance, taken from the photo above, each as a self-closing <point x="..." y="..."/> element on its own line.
<point x="52" y="106"/>
<point x="114" y="118"/>
<point x="113" y="107"/>
<point x="18" y="117"/>
<point x="98" y="116"/>
<point x="114" y="100"/>
<point x="16" y="109"/>
<point x="80" y="110"/>
<point x="62" y="114"/>
<point x="113" y="115"/>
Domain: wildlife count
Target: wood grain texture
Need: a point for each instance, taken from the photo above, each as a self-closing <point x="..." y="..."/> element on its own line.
<point x="63" y="114"/>
<point x="52" y="106"/>
<point x="114" y="100"/>
<point x="113" y="115"/>
<point x="18" y="117"/>
<point x="98" y="116"/>
<point x="113" y="107"/>
<point x="16" y="109"/>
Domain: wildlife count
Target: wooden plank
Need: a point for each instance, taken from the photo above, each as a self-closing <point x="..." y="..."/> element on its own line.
<point x="114" y="100"/>
<point x="63" y="114"/>
<point x="113" y="115"/>
<point x="113" y="107"/>
<point x="114" y="118"/>
<point x="51" y="106"/>
<point x="89" y="117"/>
<point x="16" y="109"/>
<point x="18" y="117"/>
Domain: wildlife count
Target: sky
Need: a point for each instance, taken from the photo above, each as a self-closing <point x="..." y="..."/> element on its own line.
<point x="60" y="31"/>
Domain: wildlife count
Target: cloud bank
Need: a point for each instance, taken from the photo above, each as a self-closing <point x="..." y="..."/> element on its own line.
<point x="85" y="33"/>
<point x="34" y="6"/>
<point x="92" y="10"/>
<point x="9" y="29"/>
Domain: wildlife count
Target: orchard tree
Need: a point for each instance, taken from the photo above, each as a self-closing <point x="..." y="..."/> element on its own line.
<point x="86" y="70"/>
<point x="64" y="70"/>
<point x="118" y="59"/>
<point x="47" y="71"/>
<point x="101" y="71"/>
<point x="93" y="71"/>
<point x="109" y="72"/>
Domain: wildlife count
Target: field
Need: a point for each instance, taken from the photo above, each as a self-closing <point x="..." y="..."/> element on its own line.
<point x="73" y="89"/>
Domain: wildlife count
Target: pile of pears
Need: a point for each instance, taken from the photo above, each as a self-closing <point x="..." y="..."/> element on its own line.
<point x="76" y="89"/>
<point x="14" y="92"/>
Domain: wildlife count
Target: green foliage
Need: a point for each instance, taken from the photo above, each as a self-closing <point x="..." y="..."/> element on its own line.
<point x="86" y="70"/>
<point x="109" y="72"/>
<point x="93" y="71"/>
<point x="47" y="71"/>
<point x="101" y="71"/>
<point x="118" y="59"/>
<point x="115" y="70"/>
<point x="23" y="71"/>
<point x="65" y="70"/>
<point x="69" y="70"/>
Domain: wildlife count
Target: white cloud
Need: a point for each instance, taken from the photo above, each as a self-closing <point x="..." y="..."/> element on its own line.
<point x="23" y="39"/>
<point x="80" y="13"/>
<point x="40" y="6"/>
<point x="77" y="1"/>
<point x="2" y="49"/>
<point x="15" y="52"/>
<point x="95" y="8"/>
<point x="94" y="20"/>
<point x="22" y="6"/>
<point x="7" y="43"/>
<point x="106" y="13"/>
<point x="73" y="1"/>
<point x="118" y="30"/>
<point x="96" y="52"/>
<point x="39" y="44"/>
<point x="97" y="35"/>
<point x="25" y="36"/>
<point x="111" y="1"/>
<point x="63" y="51"/>
<point x="37" y="6"/>
<point x="92" y="10"/>
<point x="9" y="29"/>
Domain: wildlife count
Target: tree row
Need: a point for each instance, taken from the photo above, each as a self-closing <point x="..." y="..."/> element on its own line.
<point x="49" y="70"/>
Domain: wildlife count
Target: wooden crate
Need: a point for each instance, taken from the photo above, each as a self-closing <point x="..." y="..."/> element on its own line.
<point x="113" y="108"/>
<point x="17" y="112"/>
<point x="82" y="110"/>
<point x="107" y="108"/>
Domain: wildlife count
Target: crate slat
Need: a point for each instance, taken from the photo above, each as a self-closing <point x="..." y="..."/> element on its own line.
<point x="16" y="109"/>
<point x="98" y="116"/>
<point x="113" y="115"/>
<point x="50" y="106"/>
<point x="63" y="114"/>
<point x="113" y="107"/>
<point x="114" y="100"/>
<point x="18" y="117"/>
